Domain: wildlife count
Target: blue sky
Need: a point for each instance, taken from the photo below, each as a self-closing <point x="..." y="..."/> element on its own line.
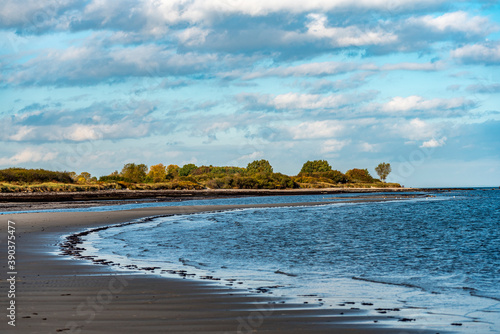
<point x="92" y="85"/>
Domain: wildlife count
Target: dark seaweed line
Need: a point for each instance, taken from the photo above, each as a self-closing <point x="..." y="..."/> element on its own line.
<point x="71" y="246"/>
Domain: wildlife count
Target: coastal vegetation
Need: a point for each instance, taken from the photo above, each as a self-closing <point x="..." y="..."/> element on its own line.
<point x="258" y="174"/>
<point x="33" y="176"/>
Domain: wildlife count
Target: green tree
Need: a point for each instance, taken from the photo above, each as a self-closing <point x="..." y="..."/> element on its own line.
<point x="172" y="171"/>
<point x="187" y="169"/>
<point x="315" y="166"/>
<point x="259" y="166"/>
<point x="157" y="173"/>
<point x="134" y="173"/>
<point x="359" y="175"/>
<point x="383" y="170"/>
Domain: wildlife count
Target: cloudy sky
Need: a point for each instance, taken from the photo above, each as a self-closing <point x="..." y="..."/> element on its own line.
<point x="92" y="85"/>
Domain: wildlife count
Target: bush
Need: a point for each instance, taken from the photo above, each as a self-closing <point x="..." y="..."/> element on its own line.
<point x="23" y="175"/>
<point x="332" y="177"/>
<point x="315" y="166"/>
<point x="335" y="176"/>
<point x="359" y="175"/>
<point x="282" y="181"/>
<point x="111" y="178"/>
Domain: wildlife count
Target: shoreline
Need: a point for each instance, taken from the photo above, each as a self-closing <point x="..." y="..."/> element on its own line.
<point x="175" y="194"/>
<point x="10" y="202"/>
<point x="61" y="294"/>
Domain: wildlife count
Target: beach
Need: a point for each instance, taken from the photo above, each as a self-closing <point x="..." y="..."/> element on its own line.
<point x="60" y="294"/>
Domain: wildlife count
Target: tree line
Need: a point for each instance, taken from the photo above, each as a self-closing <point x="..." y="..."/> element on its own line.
<point x="258" y="174"/>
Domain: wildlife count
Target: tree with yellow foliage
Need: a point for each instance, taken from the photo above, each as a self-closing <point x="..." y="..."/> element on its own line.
<point x="157" y="173"/>
<point x="84" y="177"/>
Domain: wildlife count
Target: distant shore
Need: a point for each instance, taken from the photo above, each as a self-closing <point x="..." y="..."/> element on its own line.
<point x="60" y="294"/>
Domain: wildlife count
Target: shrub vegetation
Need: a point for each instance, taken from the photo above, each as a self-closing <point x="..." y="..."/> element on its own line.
<point x="258" y="174"/>
<point x="22" y="175"/>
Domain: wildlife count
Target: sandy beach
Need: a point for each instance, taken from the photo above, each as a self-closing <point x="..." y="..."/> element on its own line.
<point x="60" y="294"/>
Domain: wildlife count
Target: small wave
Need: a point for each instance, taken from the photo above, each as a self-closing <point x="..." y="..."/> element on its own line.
<point x="284" y="273"/>
<point x="483" y="296"/>
<point x="388" y="283"/>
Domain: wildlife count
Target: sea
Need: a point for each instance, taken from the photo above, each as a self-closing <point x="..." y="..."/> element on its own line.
<point x="431" y="260"/>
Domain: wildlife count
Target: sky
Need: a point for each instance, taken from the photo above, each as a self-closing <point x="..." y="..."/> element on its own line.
<point x="93" y="85"/>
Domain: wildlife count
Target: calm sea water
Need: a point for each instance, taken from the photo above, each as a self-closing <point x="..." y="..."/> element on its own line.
<point x="436" y="259"/>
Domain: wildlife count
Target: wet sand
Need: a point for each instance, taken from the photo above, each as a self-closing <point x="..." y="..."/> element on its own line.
<point x="60" y="294"/>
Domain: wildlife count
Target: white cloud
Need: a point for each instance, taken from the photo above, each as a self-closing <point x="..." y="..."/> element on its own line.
<point x="29" y="155"/>
<point x="317" y="129"/>
<point x="21" y="133"/>
<point x="434" y="143"/>
<point x="415" y="129"/>
<point x="79" y="132"/>
<point x="297" y="101"/>
<point x="31" y="14"/>
<point x="154" y="18"/>
<point x="193" y="36"/>
<point x="347" y="36"/>
<point x="418" y="103"/>
<point x="207" y="10"/>
<point x="307" y="101"/>
<point x="456" y="22"/>
<point x="309" y="69"/>
<point x="100" y="120"/>
<point x="333" y="145"/>
<point x="487" y="53"/>
<point x="250" y="157"/>
<point x="176" y="11"/>
<point x="330" y="68"/>
<point x="367" y="147"/>
<point x="92" y="63"/>
<point x="175" y="38"/>
<point x="82" y="133"/>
